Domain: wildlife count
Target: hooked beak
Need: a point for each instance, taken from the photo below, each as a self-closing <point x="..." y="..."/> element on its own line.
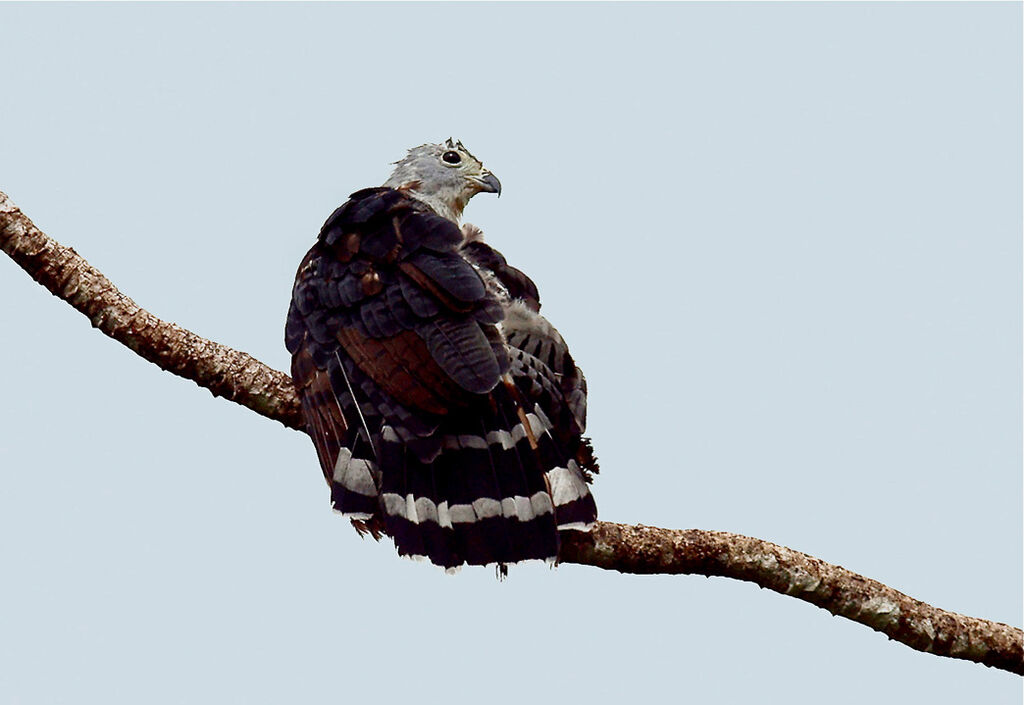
<point x="489" y="183"/>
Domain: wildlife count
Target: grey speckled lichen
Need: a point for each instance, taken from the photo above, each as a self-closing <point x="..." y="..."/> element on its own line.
<point x="880" y="612"/>
<point x="802" y="581"/>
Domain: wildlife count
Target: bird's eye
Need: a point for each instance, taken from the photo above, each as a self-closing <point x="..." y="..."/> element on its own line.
<point x="451" y="157"/>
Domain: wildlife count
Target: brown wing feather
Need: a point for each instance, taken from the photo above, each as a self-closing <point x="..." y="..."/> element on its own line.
<point x="403" y="367"/>
<point x="326" y="424"/>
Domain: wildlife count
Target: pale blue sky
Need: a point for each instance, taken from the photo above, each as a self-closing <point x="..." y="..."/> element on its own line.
<point x="784" y="242"/>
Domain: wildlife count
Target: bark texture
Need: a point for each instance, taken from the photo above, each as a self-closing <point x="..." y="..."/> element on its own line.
<point x="638" y="549"/>
<point x="226" y="372"/>
<point x="648" y="549"/>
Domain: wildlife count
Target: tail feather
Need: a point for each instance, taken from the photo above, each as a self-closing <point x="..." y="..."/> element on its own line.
<point x="401" y="514"/>
<point x="481" y="530"/>
<point x="437" y="541"/>
<point x="483" y="499"/>
<point x="520" y="478"/>
<point x="493" y="482"/>
<point x="574" y="505"/>
<point x="354" y="486"/>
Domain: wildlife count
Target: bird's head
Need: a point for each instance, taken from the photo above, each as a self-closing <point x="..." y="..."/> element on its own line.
<point x="444" y="176"/>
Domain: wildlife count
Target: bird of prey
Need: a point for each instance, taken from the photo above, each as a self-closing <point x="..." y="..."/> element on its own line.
<point x="446" y="411"/>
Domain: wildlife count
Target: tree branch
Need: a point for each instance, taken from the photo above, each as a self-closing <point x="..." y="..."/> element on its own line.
<point x="640" y="549"/>
<point x="227" y="373"/>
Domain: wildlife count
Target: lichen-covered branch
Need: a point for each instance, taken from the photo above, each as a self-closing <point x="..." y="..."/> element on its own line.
<point x="648" y="549"/>
<point x="225" y="372"/>
<point x="237" y="376"/>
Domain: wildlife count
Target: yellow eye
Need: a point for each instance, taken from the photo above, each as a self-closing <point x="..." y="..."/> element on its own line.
<point x="451" y="157"/>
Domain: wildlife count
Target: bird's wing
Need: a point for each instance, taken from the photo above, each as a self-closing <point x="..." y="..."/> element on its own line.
<point x="518" y="285"/>
<point x="526" y="331"/>
<point x="385" y="289"/>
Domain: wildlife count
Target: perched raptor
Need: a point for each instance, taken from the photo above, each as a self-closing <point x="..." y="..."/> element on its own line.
<point x="445" y="410"/>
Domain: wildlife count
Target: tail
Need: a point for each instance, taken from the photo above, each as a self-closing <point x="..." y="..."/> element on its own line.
<point x="491" y="485"/>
